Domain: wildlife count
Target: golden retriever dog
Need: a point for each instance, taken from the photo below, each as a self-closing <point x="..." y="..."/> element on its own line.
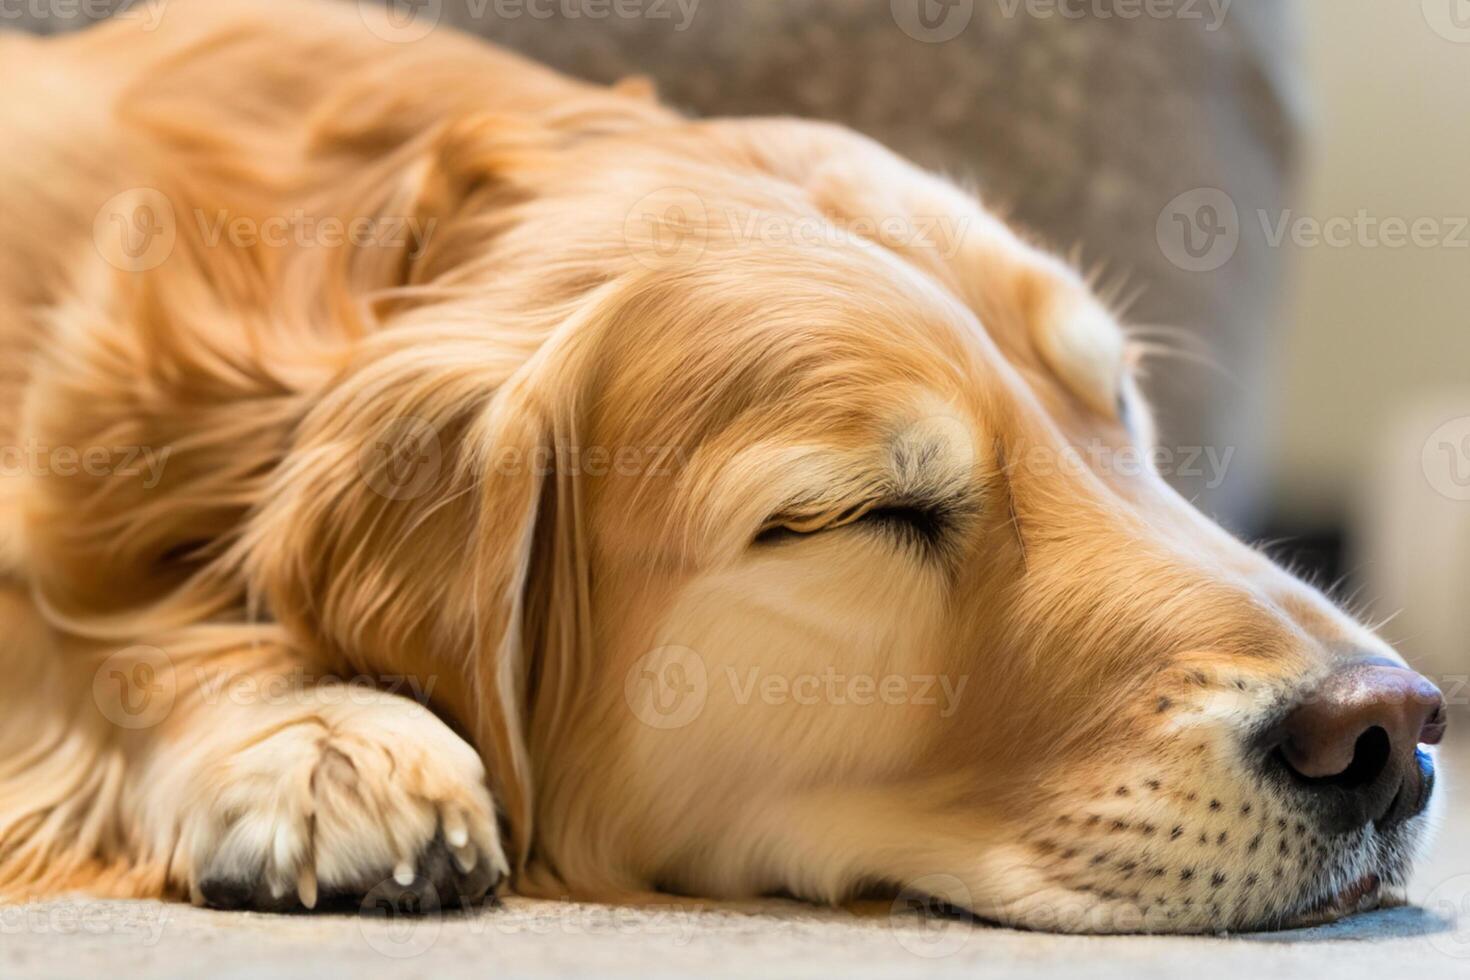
<point x="425" y="471"/>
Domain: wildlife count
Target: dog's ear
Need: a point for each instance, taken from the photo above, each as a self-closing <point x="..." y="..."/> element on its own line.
<point x="530" y="577"/>
<point x="423" y="528"/>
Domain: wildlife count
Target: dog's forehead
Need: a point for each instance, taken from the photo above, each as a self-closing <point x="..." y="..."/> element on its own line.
<point x="845" y="341"/>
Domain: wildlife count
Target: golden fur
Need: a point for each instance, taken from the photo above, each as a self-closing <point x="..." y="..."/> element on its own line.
<point x="675" y="407"/>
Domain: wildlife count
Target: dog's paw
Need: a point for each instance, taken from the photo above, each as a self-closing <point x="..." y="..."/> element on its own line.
<point x="345" y="803"/>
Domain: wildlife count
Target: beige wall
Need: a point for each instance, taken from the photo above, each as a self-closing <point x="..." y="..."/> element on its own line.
<point x="1369" y="331"/>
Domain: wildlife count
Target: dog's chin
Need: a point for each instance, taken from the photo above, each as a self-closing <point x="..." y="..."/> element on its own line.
<point x="1364" y="895"/>
<point x="1360" y="878"/>
<point x="1368" y="891"/>
<point x="1381" y="885"/>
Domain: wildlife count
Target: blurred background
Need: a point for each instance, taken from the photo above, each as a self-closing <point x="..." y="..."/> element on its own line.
<point x="1282" y="183"/>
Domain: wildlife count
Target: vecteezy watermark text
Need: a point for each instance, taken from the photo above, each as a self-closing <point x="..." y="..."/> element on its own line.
<point x="1208" y="463"/>
<point x="300" y="687"/>
<point x="937" y="21"/>
<point x="148" y="13"/>
<point x="670" y="686"/>
<point x="1211" y="13"/>
<point x="34" y="458"/>
<point x="407" y="21"/>
<point x="676" y="225"/>
<point x="1201" y="230"/>
<point x="305" y="230"/>
<point x="64" y="918"/>
<point x="138" y="230"/>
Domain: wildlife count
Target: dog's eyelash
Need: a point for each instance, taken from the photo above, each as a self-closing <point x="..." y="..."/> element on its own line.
<point x="922" y="523"/>
<point x="927" y="524"/>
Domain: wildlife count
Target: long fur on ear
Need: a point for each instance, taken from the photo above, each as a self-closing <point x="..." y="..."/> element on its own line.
<point x="427" y="523"/>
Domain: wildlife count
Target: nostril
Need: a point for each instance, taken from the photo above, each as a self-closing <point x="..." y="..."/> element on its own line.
<point x="1370" y="756"/>
<point x="1352" y="744"/>
<point x="1322" y="735"/>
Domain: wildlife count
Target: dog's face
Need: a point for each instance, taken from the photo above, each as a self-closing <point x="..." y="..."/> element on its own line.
<point x="841" y="567"/>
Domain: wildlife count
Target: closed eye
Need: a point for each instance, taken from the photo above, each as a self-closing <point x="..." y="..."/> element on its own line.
<point x="926" y="524"/>
<point x="922" y="523"/>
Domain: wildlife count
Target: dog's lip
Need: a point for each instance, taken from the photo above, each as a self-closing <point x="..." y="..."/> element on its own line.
<point x="1363" y="895"/>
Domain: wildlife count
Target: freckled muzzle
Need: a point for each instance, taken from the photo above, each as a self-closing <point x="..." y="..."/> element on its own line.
<point x="1307" y="818"/>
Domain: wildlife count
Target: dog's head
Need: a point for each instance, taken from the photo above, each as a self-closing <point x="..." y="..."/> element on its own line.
<point x="817" y="549"/>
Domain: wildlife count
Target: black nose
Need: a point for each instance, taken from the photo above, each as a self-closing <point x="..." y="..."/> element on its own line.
<point x="1353" y="744"/>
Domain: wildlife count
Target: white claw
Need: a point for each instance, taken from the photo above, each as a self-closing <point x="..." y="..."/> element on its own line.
<point x="455" y="831"/>
<point x="306" y="886"/>
<point x="403" y="873"/>
<point x="465" y="858"/>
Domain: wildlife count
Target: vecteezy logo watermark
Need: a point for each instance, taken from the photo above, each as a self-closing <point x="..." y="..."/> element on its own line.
<point x="1446" y="459"/>
<point x="669" y="226"/>
<point x="1199" y="230"/>
<point x="923" y="917"/>
<point x="147" y="13"/>
<point x="932" y="21"/>
<point x="1450" y="899"/>
<point x="135" y="688"/>
<point x="1450" y="19"/>
<point x="400" y="918"/>
<point x="667" y="687"/>
<point x="403" y="460"/>
<point x="136" y="230"/>
<point x="401" y="21"/>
